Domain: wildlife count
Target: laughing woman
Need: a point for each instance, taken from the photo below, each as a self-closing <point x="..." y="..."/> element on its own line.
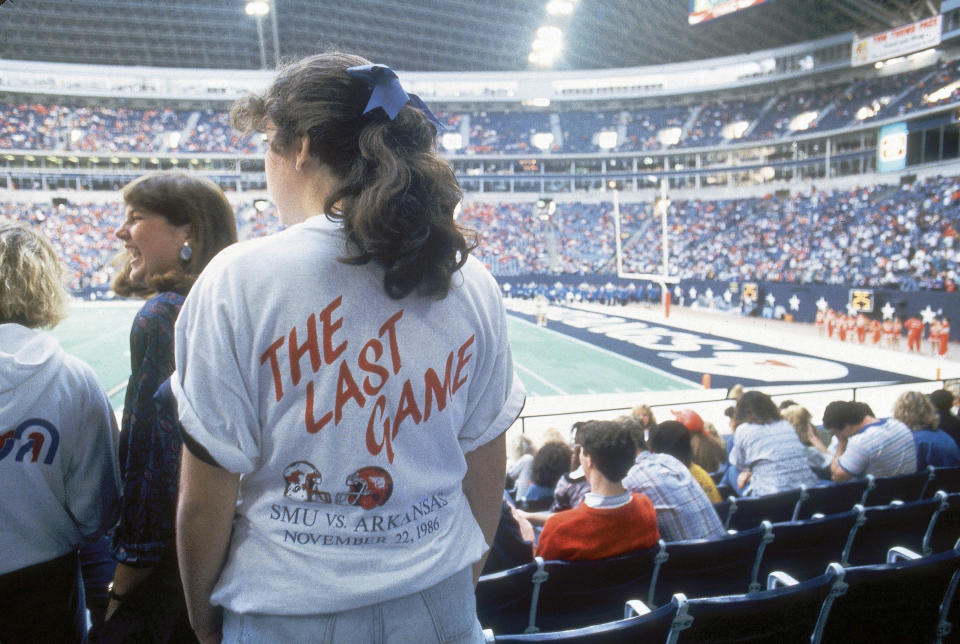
<point x="175" y="223"/>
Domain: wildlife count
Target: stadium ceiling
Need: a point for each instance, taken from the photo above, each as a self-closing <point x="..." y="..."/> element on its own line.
<point x="421" y="35"/>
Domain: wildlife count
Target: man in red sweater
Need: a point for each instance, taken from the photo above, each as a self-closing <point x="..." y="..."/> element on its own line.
<point x="610" y="521"/>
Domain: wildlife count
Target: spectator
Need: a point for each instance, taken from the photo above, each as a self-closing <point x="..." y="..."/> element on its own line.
<point x="520" y="466"/>
<point x="866" y="445"/>
<point x="647" y="420"/>
<point x="175" y="223"/>
<point x="683" y="509"/>
<point x="818" y="457"/>
<point x="374" y="259"/>
<point x="610" y="521"/>
<point x="513" y="542"/>
<point x="673" y="438"/>
<point x="551" y="462"/>
<point x="934" y="447"/>
<point x="62" y="487"/>
<point x="707" y="448"/>
<point x="943" y="400"/>
<point x="766" y="449"/>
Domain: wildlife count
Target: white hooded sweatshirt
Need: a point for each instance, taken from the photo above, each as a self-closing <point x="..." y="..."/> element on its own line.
<point x="58" y="451"/>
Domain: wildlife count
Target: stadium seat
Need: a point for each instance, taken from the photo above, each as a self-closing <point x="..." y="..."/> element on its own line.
<point x="906" y="487"/>
<point x="898" y="524"/>
<point x="747" y="512"/>
<point x="652" y="626"/>
<point x="539" y="505"/>
<point x="907" y="599"/>
<point x="831" y="499"/>
<point x="803" y="548"/>
<point x="504" y="598"/>
<point x="556" y="595"/>
<point x="710" y="567"/>
<point x="583" y="593"/>
<point x="792" y="613"/>
<point x="946" y="531"/>
<point x="946" y="479"/>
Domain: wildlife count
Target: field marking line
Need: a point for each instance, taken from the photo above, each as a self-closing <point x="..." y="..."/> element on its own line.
<point x="116" y="389"/>
<point x="634" y="363"/>
<point x="539" y="378"/>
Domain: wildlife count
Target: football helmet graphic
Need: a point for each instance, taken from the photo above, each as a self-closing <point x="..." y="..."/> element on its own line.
<point x="370" y="487"/>
<point x="302" y="483"/>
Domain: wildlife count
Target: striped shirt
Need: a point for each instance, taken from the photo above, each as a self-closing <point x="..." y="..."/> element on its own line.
<point x="683" y="509"/>
<point x="775" y="457"/>
<point x="883" y="448"/>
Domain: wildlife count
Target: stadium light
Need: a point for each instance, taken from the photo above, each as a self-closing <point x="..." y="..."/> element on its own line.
<point x="547" y="46"/>
<point x="735" y="130"/>
<point x="803" y="121"/>
<point x="258" y="9"/>
<point x="559" y="7"/>
<point x="607" y="139"/>
<point x="669" y="135"/>
<point x="451" y="141"/>
<point x="542" y="140"/>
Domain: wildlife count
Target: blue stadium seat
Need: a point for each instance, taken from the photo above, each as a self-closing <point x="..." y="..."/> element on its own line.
<point x="504" y="598"/>
<point x="557" y="595"/>
<point x="709" y="567"/>
<point x="946" y="479"/>
<point x="946" y="531"/>
<point x="790" y="614"/>
<point x="906" y="487"/>
<point x="897" y="524"/>
<point x="907" y="599"/>
<point x="583" y="593"/>
<point x="747" y="512"/>
<point x="652" y="626"/>
<point x="803" y="548"/>
<point x="831" y="499"/>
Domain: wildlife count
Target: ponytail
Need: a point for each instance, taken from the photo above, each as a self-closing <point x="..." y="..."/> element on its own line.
<point x="393" y="194"/>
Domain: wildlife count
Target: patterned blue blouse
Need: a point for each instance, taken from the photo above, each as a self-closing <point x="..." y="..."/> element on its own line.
<point x="149" y="439"/>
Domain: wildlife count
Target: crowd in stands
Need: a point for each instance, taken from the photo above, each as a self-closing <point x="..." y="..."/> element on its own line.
<point x="83" y="236"/>
<point x="588" y="497"/>
<point x="903" y="237"/>
<point x="65" y="127"/>
<point x="897" y="236"/>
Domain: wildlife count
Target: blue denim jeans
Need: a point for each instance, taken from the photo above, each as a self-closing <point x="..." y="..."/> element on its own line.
<point x="445" y="613"/>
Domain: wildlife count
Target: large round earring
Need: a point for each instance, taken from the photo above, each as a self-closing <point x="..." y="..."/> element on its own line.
<point x="186" y="252"/>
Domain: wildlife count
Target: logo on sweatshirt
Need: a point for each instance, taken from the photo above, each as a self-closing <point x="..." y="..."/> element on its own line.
<point x="29" y="439"/>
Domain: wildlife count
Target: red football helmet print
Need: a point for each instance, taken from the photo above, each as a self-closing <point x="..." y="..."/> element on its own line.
<point x="370" y="487"/>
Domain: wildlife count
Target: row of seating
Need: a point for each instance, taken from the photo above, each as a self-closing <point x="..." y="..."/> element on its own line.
<point x="747" y="512"/>
<point x="910" y="598"/>
<point x="557" y="595"/>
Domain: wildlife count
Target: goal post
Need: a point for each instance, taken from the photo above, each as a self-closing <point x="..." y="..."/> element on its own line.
<point x="661" y="206"/>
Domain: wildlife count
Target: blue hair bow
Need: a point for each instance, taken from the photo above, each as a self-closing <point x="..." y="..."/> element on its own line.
<point x="388" y="94"/>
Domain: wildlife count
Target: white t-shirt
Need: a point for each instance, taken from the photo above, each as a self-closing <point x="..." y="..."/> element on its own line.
<point x="348" y="415"/>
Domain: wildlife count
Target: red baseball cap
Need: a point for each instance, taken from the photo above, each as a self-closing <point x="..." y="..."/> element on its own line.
<point x="689" y="419"/>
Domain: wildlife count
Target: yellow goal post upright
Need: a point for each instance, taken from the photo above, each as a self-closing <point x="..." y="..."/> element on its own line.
<point x="661" y="205"/>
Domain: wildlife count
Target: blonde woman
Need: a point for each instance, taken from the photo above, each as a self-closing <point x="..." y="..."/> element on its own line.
<point x="934" y="446"/>
<point x="58" y="463"/>
<point x="817" y="455"/>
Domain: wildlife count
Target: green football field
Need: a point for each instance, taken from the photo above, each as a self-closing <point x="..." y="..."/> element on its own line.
<point x="547" y="362"/>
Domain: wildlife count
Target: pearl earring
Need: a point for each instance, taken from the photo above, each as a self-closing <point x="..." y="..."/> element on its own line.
<point x="186" y="252"/>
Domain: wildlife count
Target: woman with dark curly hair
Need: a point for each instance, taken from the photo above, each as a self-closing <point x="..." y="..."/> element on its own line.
<point x="345" y="384"/>
<point x="550" y="463"/>
<point x="766" y="449"/>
